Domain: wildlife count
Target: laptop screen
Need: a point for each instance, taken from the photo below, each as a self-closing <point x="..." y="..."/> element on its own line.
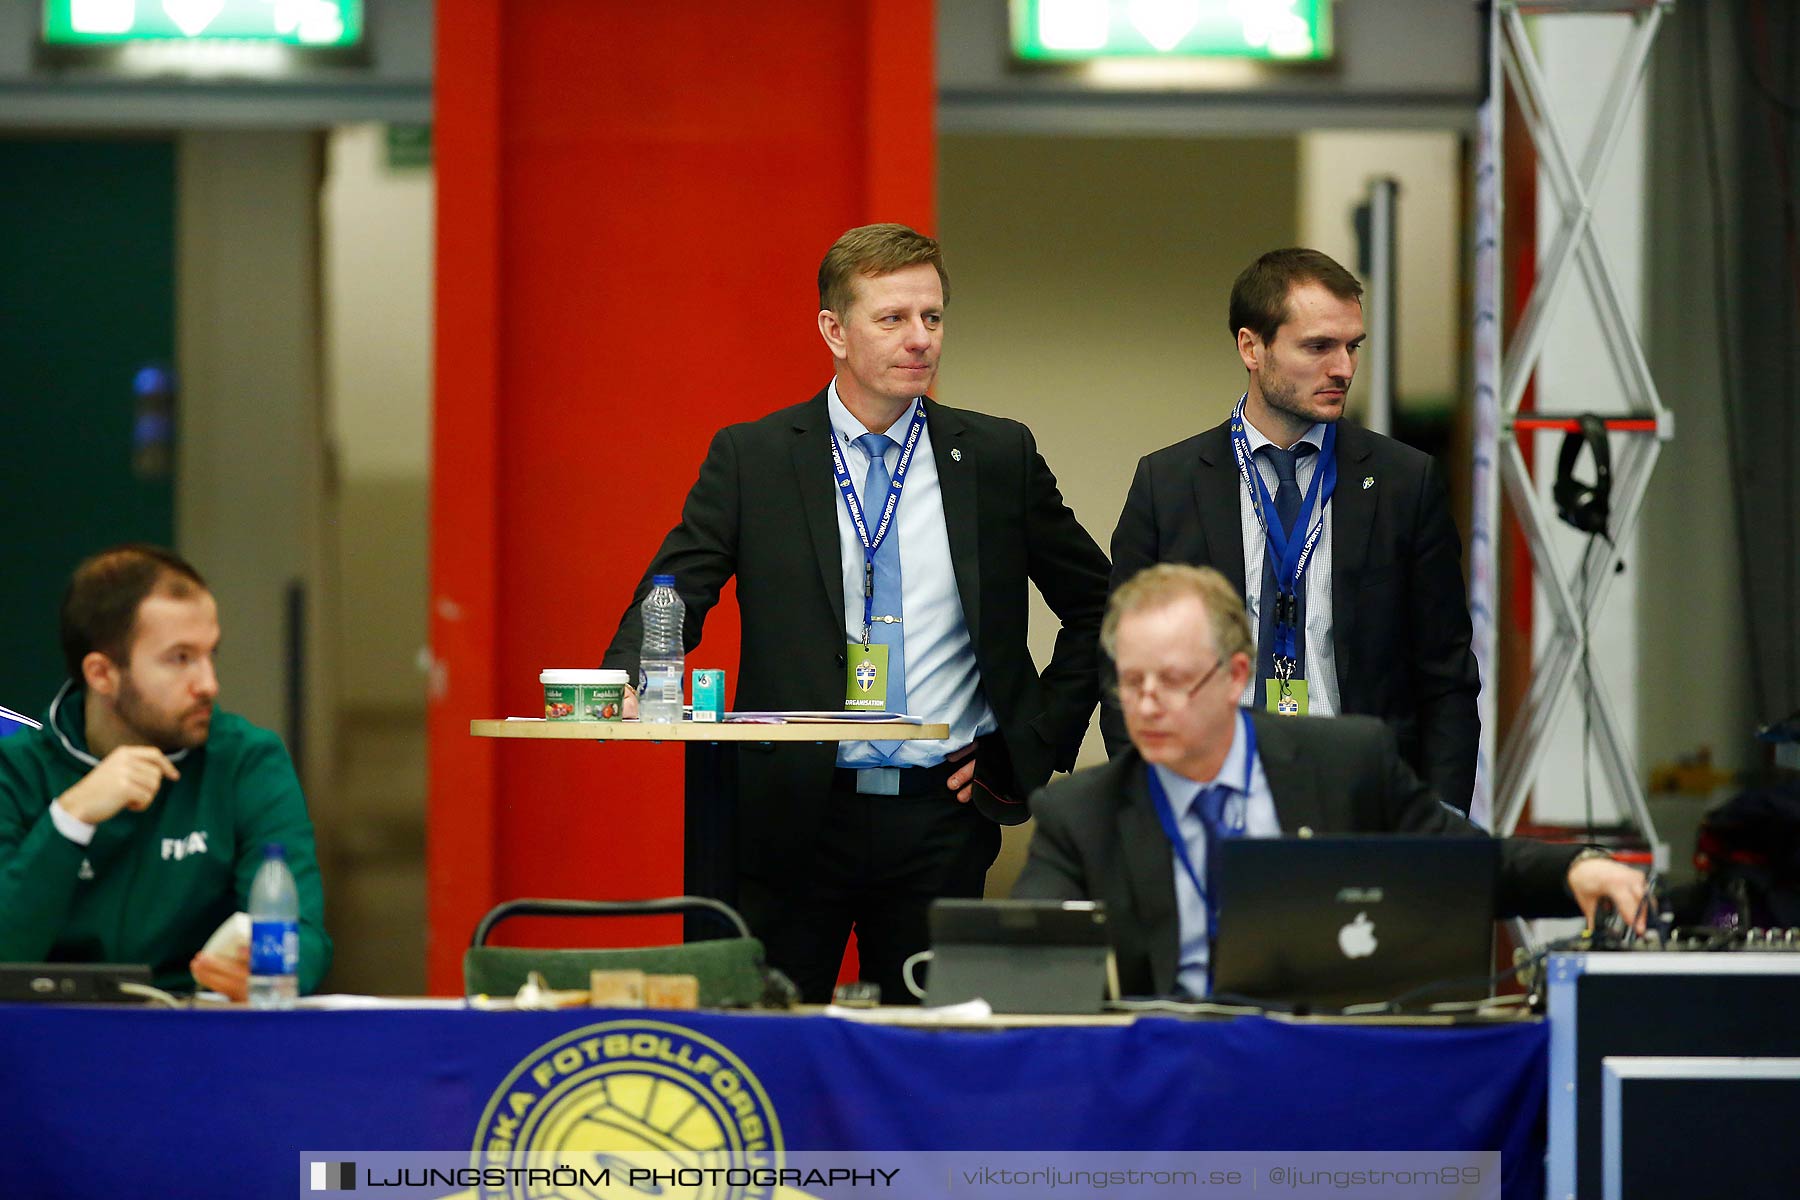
<point x="1329" y="922"/>
<point x="1021" y="956"/>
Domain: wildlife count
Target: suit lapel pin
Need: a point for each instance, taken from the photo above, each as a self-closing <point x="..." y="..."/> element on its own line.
<point x="955" y="454"/>
<point x="1368" y="482"/>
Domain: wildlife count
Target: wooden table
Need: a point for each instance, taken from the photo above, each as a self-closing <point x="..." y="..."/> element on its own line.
<point x="709" y="864"/>
<point x="709" y="731"/>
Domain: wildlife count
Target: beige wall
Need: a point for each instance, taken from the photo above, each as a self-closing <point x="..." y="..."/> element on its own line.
<point x="1336" y="169"/>
<point x="250" y="493"/>
<point x="1089" y="287"/>
<point x="376" y="258"/>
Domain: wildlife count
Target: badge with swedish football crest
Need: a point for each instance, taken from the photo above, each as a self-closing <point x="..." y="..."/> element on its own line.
<point x="630" y="1096"/>
<point x="865" y="680"/>
<point x="1285" y="698"/>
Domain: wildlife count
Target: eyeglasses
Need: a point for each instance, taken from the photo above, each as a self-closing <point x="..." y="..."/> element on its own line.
<point x="1172" y="693"/>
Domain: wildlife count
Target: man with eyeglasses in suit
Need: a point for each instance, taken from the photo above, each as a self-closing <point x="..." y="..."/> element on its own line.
<point x="1133" y="832"/>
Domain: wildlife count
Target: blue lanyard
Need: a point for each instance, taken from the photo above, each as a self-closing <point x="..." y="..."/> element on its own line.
<point x="847" y="490"/>
<point x="1292" y="555"/>
<point x="1235" y="817"/>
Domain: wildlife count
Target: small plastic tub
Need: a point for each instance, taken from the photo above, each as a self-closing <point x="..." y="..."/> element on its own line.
<point x="583" y="695"/>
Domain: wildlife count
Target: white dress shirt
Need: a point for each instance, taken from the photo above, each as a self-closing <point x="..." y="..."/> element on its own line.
<point x="1321" y="643"/>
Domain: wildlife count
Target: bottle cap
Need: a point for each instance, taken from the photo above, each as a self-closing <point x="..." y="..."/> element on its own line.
<point x="274" y="850"/>
<point x="662" y="580"/>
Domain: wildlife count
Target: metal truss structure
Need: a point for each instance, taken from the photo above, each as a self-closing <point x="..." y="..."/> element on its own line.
<point x="1577" y="595"/>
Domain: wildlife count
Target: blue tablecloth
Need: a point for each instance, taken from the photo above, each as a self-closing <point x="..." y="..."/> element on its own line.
<point x="128" y="1102"/>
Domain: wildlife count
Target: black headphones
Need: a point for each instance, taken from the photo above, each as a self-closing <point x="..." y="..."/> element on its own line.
<point x="1586" y="506"/>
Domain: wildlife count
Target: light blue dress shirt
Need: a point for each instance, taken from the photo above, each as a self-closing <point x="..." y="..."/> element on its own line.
<point x="942" y="680"/>
<point x="1260" y="821"/>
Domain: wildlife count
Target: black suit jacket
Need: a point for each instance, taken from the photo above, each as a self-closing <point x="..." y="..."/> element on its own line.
<point x="764" y="510"/>
<point x="1098" y="837"/>
<point x="1398" y="604"/>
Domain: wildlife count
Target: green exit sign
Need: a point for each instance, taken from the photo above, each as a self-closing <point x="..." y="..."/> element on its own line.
<point x="326" y="24"/>
<point x="1078" y="30"/>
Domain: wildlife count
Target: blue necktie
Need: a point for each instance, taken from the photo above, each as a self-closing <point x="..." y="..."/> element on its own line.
<point x="1287" y="510"/>
<point x="888" y="601"/>
<point x="1209" y="806"/>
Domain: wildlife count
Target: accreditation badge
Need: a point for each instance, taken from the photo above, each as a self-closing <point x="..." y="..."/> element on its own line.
<point x="1285" y="699"/>
<point x="866" y="677"/>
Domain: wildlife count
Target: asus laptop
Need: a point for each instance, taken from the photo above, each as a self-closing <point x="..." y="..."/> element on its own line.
<point x="1329" y="922"/>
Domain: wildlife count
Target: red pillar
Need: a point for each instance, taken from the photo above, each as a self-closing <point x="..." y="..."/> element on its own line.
<point x="632" y="202"/>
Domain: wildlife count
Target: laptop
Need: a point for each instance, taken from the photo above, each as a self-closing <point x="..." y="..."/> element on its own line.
<point x="1021" y="956"/>
<point x="1323" y="923"/>
<point x="70" y="983"/>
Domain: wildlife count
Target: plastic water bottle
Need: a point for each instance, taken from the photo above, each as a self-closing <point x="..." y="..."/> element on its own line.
<point x="274" y="933"/>
<point x="659" y="699"/>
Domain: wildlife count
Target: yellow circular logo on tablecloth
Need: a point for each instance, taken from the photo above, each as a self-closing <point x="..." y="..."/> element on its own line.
<point x="625" y="1095"/>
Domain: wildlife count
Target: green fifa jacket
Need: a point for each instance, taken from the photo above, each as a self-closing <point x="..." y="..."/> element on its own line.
<point x="153" y="885"/>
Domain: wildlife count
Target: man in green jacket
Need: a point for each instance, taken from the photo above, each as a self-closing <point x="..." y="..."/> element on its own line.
<point x="132" y="823"/>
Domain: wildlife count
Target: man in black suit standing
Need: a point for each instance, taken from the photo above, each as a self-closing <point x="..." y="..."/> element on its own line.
<point x="1340" y="540"/>
<point x="882" y="545"/>
<point x="1204" y="768"/>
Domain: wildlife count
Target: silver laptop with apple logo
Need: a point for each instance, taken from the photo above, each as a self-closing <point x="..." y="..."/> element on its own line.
<point x="1323" y="923"/>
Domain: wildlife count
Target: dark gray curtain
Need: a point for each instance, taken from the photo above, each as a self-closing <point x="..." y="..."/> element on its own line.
<point x="1729" y="73"/>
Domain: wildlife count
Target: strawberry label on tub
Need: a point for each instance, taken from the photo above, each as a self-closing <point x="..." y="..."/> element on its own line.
<point x="583" y="695"/>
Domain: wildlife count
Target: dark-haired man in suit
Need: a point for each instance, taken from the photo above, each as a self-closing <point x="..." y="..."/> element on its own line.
<point x="883" y="546"/>
<point x="1205" y="767"/>
<point x="1339" y="540"/>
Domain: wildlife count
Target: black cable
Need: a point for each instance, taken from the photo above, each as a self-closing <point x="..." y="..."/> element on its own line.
<point x="1587" y="690"/>
<point x="1716" y="940"/>
<point x="1574" y="942"/>
<point x="1226" y="1004"/>
<point x="1646" y="905"/>
<point x="1722" y="329"/>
